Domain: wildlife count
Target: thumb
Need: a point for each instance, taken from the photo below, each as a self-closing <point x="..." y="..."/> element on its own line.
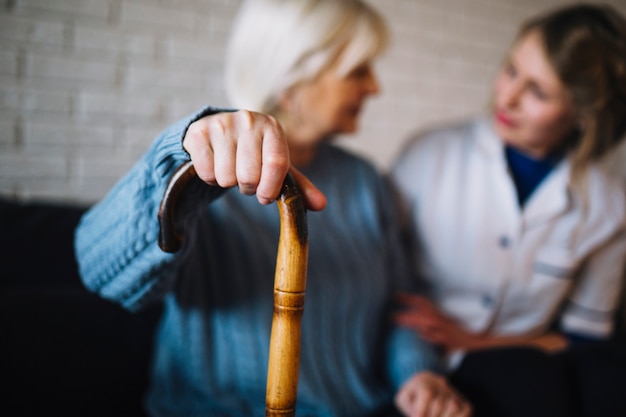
<point x="315" y="200"/>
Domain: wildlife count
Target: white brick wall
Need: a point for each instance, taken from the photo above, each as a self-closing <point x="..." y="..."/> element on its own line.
<point x="85" y="85"/>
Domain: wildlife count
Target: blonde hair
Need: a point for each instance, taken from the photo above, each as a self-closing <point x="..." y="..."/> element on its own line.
<point x="586" y="46"/>
<point x="276" y="44"/>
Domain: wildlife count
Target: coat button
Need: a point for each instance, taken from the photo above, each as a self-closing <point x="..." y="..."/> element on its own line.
<point x="504" y="242"/>
<point x="487" y="300"/>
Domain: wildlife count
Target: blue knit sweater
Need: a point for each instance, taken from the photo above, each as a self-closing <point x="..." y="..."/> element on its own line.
<point x="212" y="345"/>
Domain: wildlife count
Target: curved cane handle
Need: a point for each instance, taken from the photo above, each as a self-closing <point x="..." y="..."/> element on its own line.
<point x="170" y="239"/>
<point x="289" y="285"/>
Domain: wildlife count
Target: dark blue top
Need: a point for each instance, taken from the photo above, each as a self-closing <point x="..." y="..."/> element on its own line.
<point x="528" y="172"/>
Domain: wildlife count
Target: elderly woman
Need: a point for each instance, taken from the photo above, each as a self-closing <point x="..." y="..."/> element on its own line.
<point x="308" y="64"/>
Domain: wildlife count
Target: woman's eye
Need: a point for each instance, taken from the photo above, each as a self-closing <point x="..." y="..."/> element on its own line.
<point x="360" y="71"/>
<point x="536" y="91"/>
<point x="510" y="70"/>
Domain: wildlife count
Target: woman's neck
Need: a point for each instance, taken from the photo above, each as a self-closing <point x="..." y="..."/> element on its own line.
<point x="303" y="141"/>
<point x="301" y="155"/>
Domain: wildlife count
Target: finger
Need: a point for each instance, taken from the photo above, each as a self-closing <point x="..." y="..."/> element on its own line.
<point x="413" y="301"/>
<point x="403" y="401"/>
<point x="425" y="304"/>
<point x="456" y="407"/>
<point x="453" y="405"/>
<point x="426" y="333"/>
<point x="248" y="161"/>
<point x="465" y="408"/>
<point x="416" y="320"/>
<point x="435" y="406"/>
<point x="405" y="298"/>
<point x="420" y="405"/>
<point x="433" y="336"/>
<point x="315" y="200"/>
<point x="196" y="143"/>
<point x="409" y="322"/>
<point x="222" y="135"/>
<point x="418" y="317"/>
<point x="275" y="161"/>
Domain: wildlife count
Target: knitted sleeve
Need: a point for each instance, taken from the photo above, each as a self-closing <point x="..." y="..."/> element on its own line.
<point x="116" y="240"/>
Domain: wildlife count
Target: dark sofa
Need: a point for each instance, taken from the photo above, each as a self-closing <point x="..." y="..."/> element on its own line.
<point x="64" y="351"/>
<point x="67" y="352"/>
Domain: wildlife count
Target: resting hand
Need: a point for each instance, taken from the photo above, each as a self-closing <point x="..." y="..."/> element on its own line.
<point x="435" y="327"/>
<point x="430" y="395"/>
<point x="248" y="150"/>
<point x="432" y="325"/>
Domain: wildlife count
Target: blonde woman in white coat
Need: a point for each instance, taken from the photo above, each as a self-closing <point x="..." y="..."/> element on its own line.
<point x="521" y="235"/>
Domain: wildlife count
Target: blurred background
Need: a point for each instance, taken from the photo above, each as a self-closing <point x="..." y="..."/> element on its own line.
<point x="85" y="85"/>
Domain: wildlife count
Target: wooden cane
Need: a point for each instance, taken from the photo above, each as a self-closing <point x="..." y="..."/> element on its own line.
<point x="289" y="285"/>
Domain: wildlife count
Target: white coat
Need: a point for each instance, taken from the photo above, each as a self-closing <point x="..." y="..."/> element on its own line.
<point x="500" y="269"/>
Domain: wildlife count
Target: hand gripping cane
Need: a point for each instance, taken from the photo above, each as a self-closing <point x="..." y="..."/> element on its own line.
<point x="289" y="285"/>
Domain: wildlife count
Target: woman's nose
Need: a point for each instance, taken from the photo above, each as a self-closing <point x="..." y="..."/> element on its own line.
<point x="510" y="94"/>
<point x="371" y="84"/>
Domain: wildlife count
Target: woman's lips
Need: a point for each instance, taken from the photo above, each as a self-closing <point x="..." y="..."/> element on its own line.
<point x="504" y="119"/>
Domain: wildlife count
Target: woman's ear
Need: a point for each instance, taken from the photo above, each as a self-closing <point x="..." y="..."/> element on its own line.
<point x="581" y="123"/>
<point x="289" y="105"/>
<point x="286" y="101"/>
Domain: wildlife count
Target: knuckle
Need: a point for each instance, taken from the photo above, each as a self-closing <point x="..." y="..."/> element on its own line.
<point x="276" y="161"/>
<point x="246" y="118"/>
<point x="275" y="123"/>
<point x="219" y="124"/>
<point x="193" y="136"/>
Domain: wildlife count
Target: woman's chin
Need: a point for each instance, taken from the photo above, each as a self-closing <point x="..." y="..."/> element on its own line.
<point x="501" y="130"/>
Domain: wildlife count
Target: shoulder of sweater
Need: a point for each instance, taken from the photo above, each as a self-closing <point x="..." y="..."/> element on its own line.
<point x="345" y="158"/>
<point x="340" y="169"/>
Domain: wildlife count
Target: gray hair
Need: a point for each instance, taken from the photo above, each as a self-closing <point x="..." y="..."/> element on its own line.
<point x="276" y="44"/>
